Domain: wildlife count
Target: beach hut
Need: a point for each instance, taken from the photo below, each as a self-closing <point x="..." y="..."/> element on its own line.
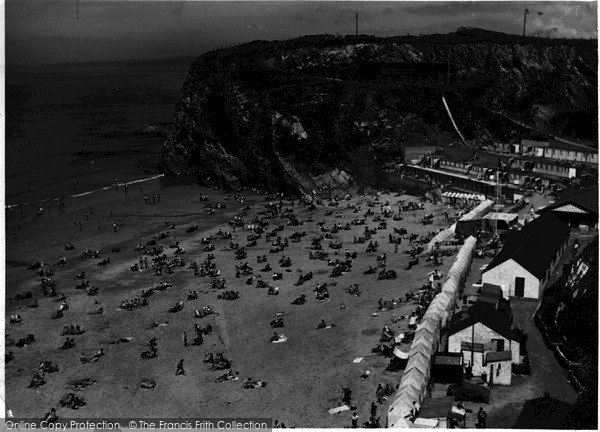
<point x="398" y="411"/>
<point x="440" y="237"/>
<point x="414" y="383"/>
<point x="431" y="337"/>
<point x="418" y="360"/>
<point x="425" y="349"/>
<point x="411" y="385"/>
<point x="421" y="341"/>
<point x="430" y="325"/>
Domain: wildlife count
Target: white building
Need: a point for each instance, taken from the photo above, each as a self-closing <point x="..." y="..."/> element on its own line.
<point x="484" y="336"/>
<point x="529" y="256"/>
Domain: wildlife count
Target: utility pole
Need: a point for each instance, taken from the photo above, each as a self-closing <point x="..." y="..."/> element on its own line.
<point x="525" y="20"/>
<point x="356" y="18"/>
<point x="498" y="188"/>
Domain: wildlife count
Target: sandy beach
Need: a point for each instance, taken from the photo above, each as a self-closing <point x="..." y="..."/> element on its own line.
<point x="304" y="375"/>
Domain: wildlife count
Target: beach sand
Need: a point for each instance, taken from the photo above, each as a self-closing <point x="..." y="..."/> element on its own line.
<point x="305" y="375"/>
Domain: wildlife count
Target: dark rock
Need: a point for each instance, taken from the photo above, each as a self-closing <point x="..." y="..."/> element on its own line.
<point x="283" y="115"/>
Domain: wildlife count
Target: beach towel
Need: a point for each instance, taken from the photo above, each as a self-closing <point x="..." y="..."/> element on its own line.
<point x="357" y="360"/>
<point x="339" y="409"/>
<point x="430" y="423"/>
<point x="282" y="338"/>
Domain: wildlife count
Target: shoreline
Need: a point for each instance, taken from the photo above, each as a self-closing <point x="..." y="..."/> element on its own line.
<point x="82" y="194"/>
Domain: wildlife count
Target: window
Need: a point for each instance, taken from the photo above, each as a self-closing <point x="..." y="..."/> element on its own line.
<point x="499" y="344"/>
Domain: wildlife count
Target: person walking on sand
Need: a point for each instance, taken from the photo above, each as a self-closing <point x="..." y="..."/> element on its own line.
<point x="180" y="370"/>
<point x="185" y="341"/>
<point x="125" y="189"/>
<point x="141" y="191"/>
<point x="115" y="227"/>
<point x="373" y="410"/>
<point x="347" y="398"/>
<point x="355" y="418"/>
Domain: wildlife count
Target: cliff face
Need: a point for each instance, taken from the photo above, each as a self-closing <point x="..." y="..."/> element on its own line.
<point x="282" y="114"/>
<point x="568" y="320"/>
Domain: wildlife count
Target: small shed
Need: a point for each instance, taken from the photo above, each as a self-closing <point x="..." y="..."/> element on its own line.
<point x="448" y="368"/>
<point x="503" y="221"/>
<point x="491" y="294"/>
<point x="434" y="412"/>
<point x="468" y="227"/>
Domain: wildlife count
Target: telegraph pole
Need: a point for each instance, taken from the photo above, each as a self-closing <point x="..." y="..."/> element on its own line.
<point x="498" y="188"/>
<point x="356" y="18"/>
<point x="525" y="20"/>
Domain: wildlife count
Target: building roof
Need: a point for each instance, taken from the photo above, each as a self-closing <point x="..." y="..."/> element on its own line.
<point x="507" y="217"/>
<point x="534" y="246"/>
<point x="543" y="413"/>
<point x="491" y="290"/>
<point x="557" y="143"/>
<point x="449" y="359"/>
<point x="436" y="407"/>
<point x="586" y="199"/>
<point x="498" y="356"/>
<point x="488" y="298"/>
<point x="490" y="293"/>
<point x="457" y="154"/>
<point x="536" y="141"/>
<point x="486" y="314"/>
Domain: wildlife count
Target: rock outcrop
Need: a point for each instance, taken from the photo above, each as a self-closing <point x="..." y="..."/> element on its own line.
<point x="279" y="115"/>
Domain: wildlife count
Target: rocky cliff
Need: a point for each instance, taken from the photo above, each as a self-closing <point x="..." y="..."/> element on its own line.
<point x="568" y="321"/>
<point x="282" y="115"/>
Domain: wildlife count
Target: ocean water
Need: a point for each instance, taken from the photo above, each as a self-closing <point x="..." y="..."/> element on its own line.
<point x="77" y="123"/>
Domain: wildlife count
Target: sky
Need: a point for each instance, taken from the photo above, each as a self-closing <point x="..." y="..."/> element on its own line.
<point x="48" y="31"/>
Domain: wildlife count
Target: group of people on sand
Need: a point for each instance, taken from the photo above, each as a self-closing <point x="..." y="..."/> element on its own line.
<point x="158" y="255"/>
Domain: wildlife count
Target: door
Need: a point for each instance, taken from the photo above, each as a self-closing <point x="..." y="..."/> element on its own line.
<point x="519" y="287"/>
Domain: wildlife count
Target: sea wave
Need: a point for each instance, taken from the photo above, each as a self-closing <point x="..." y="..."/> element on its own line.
<point x="88" y="192"/>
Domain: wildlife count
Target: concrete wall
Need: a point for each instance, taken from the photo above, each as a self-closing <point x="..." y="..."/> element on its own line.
<point x="505" y="274"/>
<point x="478" y="360"/>
<point x="502" y="372"/>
